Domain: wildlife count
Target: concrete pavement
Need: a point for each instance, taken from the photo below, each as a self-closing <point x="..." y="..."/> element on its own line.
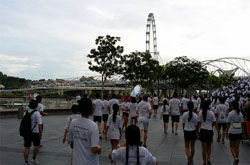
<point x="168" y="149"/>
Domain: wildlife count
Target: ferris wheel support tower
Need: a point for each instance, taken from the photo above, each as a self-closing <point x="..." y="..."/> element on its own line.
<point x="151" y="22"/>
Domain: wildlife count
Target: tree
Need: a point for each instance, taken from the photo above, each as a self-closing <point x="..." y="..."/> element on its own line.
<point x="105" y="58"/>
<point x="139" y="68"/>
<point x="185" y="73"/>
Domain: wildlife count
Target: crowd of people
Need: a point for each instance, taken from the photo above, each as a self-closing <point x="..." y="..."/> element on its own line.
<point x="226" y="111"/>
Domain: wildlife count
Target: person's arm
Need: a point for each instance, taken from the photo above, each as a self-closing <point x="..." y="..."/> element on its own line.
<point x="43" y="113"/>
<point x="65" y="135"/>
<point x="96" y="149"/>
<point x="40" y="127"/>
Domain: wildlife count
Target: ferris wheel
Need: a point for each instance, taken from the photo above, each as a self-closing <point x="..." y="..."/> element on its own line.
<point x="151" y="23"/>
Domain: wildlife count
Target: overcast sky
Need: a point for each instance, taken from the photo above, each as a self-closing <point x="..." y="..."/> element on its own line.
<point x="51" y="38"/>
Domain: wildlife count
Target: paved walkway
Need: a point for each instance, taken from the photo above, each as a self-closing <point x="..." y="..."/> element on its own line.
<point x="168" y="149"/>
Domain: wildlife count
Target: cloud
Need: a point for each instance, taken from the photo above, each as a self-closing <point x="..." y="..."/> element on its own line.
<point x="52" y="37"/>
<point x="14" y="65"/>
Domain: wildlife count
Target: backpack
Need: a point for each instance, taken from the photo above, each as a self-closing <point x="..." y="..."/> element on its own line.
<point x="25" y="126"/>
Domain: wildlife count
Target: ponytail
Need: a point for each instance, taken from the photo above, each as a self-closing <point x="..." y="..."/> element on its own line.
<point x="115" y="109"/>
<point x="165" y="102"/>
<point x="205" y="107"/>
<point x="127" y="150"/>
<point x="190" y="109"/>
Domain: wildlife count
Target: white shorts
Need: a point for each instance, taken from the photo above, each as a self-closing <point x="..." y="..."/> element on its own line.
<point x="143" y="124"/>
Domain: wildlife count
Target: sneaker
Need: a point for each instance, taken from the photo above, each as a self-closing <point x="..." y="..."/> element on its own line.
<point x="236" y="161"/>
<point x="218" y="140"/>
<point x="208" y="162"/>
<point x="27" y="163"/>
<point x="222" y="142"/>
<point x="34" y="162"/>
<point x="176" y="133"/>
<point x="172" y="131"/>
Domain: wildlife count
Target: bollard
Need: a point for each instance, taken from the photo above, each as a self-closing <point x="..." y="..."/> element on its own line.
<point x="20" y="113"/>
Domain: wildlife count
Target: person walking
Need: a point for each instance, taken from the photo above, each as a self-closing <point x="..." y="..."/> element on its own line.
<point x="174" y="105"/>
<point x="83" y="136"/>
<point x="235" y="129"/>
<point x="155" y="104"/>
<point x="145" y="111"/>
<point x="114" y="126"/>
<point x="165" y="115"/>
<point x="206" y="121"/>
<point x="190" y="125"/>
<point x="132" y="111"/>
<point x="36" y="133"/>
<point x="133" y="153"/>
<point x="221" y="113"/>
<point x="98" y="107"/>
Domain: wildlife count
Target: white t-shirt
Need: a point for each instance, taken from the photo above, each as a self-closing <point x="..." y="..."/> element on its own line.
<point x="195" y="103"/>
<point x="111" y="103"/>
<point x="166" y="112"/>
<point x="125" y="107"/>
<point x="155" y="100"/>
<point x="114" y="132"/>
<point x="144" y="108"/>
<point x="105" y="105"/>
<point x="174" y="105"/>
<point x="222" y="112"/>
<point x="84" y="133"/>
<point x="70" y="119"/>
<point x="145" y="157"/>
<point x="210" y="119"/>
<point x="36" y="119"/>
<point x="132" y="108"/>
<point x="40" y="107"/>
<point x="98" y="107"/>
<point x="235" y="120"/>
<point x="189" y="125"/>
<point x="184" y="103"/>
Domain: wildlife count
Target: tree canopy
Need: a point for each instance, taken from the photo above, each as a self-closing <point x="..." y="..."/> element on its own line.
<point x="139" y="68"/>
<point x="13" y="82"/>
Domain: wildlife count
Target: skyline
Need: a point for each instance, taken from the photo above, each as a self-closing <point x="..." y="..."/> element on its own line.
<point x="51" y="39"/>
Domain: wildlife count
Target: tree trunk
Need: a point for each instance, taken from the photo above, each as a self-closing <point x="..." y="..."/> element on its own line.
<point x="102" y="86"/>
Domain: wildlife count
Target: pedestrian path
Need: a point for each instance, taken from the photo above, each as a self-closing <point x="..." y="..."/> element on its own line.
<point x="168" y="149"/>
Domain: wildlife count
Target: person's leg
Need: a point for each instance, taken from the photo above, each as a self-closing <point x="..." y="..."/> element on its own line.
<point x="209" y="150"/>
<point x="232" y="148"/>
<point x="176" y="126"/>
<point x="192" y="149"/>
<point x="125" y="121"/>
<point x="145" y="137"/>
<point x="204" y="152"/>
<point x="165" y="126"/>
<point x="237" y="148"/>
<point x="105" y="126"/>
<point x="172" y="118"/>
<point x="187" y="143"/>
<point x="100" y="127"/>
<point x="35" y="151"/>
<point x="224" y="133"/>
<point x="26" y="154"/>
<point x="218" y="132"/>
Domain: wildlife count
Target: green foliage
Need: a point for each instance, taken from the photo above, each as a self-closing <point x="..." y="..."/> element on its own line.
<point x="13" y="82"/>
<point x="139" y="68"/>
<point x="105" y="58"/>
<point x="186" y="73"/>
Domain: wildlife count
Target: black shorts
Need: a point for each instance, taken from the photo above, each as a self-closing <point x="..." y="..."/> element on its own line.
<point x="105" y="117"/>
<point x="97" y="119"/>
<point x="222" y="125"/>
<point x="155" y="107"/>
<point x="34" y="138"/>
<point x="189" y="135"/>
<point x="175" y="118"/>
<point x="165" y="118"/>
<point x="206" y="135"/>
<point x="125" y="114"/>
<point x="235" y="137"/>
